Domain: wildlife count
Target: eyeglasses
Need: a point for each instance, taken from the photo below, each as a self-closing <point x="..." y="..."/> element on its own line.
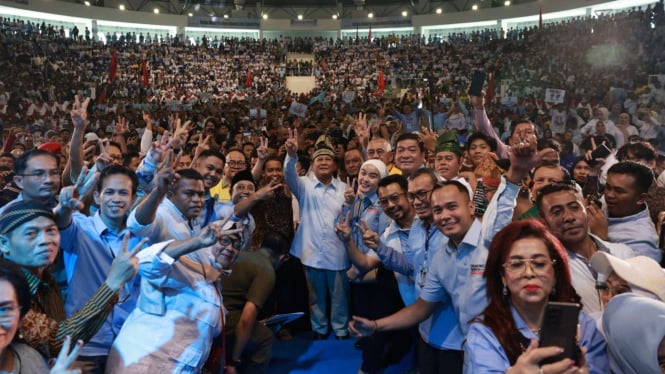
<point x="421" y="195"/>
<point x="539" y="266"/>
<point x="41" y="174"/>
<point x="372" y="152"/>
<point x="236" y="244"/>
<point x="394" y="198"/>
<point x="236" y="164"/>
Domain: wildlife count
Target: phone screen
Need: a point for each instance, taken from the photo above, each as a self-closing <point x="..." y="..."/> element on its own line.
<point x="477" y="82"/>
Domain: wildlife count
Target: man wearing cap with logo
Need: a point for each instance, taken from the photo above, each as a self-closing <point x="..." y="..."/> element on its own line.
<point x="321" y="251"/>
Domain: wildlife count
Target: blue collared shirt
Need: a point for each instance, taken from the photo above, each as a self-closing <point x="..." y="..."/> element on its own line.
<point x="169" y="224"/>
<point x="484" y="354"/>
<point x="89" y="248"/>
<point x="397" y="238"/>
<point x="636" y="231"/>
<point x="315" y="242"/>
<point x="439" y="329"/>
<point x="455" y="280"/>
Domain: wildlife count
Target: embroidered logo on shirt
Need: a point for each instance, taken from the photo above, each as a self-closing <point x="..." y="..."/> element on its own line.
<point x="477" y="269"/>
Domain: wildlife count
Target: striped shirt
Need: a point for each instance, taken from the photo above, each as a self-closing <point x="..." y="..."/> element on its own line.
<point x="44" y="327"/>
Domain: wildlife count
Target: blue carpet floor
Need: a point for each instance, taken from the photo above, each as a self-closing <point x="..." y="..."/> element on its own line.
<point x="302" y="355"/>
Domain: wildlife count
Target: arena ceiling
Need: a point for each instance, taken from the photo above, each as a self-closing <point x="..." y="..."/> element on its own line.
<point x="308" y="8"/>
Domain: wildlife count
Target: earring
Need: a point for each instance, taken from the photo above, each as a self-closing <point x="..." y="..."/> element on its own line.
<point x="505" y="290"/>
<point x="553" y="292"/>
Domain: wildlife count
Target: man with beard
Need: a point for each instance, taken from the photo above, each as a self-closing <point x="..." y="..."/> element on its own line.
<point x="380" y="297"/>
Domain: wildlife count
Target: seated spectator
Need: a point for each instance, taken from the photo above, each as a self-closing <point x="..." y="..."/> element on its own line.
<point x="249" y="342"/>
<point x="526" y="268"/>
<point x="635" y="334"/>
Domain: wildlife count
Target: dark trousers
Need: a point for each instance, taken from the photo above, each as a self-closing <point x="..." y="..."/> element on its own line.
<point x="376" y="299"/>
<point x="91" y="364"/>
<point x="436" y="361"/>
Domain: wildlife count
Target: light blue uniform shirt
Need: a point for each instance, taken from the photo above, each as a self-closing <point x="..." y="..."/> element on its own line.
<point x="89" y="248"/>
<point x="397" y="238"/>
<point x="455" y="280"/>
<point x="439" y="329"/>
<point x="636" y="231"/>
<point x="316" y="244"/>
<point x="169" y="224"/>
<point x="484" y="354"/>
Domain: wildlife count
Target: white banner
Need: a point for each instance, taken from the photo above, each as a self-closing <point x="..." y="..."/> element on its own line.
<point x="555" y="96"/>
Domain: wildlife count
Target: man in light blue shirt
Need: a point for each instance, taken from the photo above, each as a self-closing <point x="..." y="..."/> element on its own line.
<point x="320" y="250"/>
<point x="90" y="244"/>
<point x="454" y="279"/>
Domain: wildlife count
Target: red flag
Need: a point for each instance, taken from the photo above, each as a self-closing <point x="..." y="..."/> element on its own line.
<point x="540" y="19"/>
<point x="381" y="81"/>
<point x="144" y="72"/>
<point x="114" y="64"/>
<point x="248" y="81"/>
<point x="490" y="89"/>
<point x="102" y="95"/>
<point x="369" y="35"/>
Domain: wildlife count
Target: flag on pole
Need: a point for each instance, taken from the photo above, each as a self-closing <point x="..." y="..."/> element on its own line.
<point x="381" y="81"/>
<point x="114" y="64"/>
<point x="369" y="35"/>
<point x="356" y="33"/>
<point x="248" y="81"/>
<point x="540" y="19"/>
<point x="144" y="72"/>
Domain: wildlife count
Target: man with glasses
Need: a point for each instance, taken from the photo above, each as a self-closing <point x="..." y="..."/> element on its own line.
<point x="180" y="309"/>
<point x="380" y="149"/>
<point x="235" y="163"/>
<point x="38" y="176"/>
<point x="453" y="289"/>
<point x="383" y="299"/>
<point x="413" y="262"/>
<point x="245" y="292"/>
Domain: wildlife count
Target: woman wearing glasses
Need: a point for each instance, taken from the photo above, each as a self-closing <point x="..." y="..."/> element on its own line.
<point x="527" y="267"/>
<point x="15" y="301"/>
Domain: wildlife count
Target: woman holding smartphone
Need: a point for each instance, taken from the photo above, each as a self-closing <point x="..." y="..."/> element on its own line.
<point x="527" y="267"/>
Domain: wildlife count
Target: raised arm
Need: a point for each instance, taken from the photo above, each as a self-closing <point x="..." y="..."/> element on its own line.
<point x="79" y="115"/>
<point x="483" y="124"/>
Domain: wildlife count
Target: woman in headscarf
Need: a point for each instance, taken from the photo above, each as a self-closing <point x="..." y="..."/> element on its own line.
<point x="634" y="326"/>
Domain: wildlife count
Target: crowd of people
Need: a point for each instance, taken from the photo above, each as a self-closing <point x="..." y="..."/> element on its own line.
<point x="182" y="193"/>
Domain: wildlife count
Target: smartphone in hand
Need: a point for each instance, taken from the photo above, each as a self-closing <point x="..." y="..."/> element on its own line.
<point x="559" y="328"/>
<point x="477" y="82"/>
